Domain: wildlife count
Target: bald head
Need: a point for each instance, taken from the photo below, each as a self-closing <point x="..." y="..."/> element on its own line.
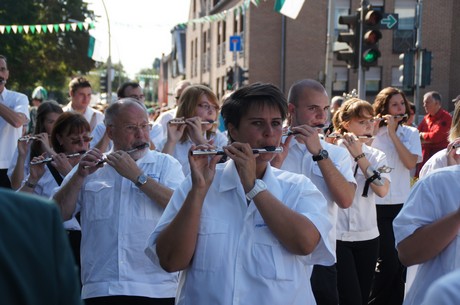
<point x="304" y="86"/>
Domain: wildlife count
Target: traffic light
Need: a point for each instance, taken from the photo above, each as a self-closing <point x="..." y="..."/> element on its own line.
<point x="425" y="77"/>
<point x="350" y="55"/>
<point x="407" y="69"/>
<point x="371" y="36"/>
<point x="103" y="83"/>
<point x="229" y="79"/>
<point x="243" y="75"/>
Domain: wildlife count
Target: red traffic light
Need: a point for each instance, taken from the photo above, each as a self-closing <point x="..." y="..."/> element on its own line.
<point x="372" y="18"/>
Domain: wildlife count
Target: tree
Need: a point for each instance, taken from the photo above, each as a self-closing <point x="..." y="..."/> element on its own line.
<point x="47" y="59"/>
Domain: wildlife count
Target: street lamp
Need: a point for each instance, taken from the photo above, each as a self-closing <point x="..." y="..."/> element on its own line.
<point x="109" y="59"/>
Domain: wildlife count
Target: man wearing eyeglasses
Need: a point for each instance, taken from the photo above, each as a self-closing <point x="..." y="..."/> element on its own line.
<point x="121" y="196"/>
<point x="14" y="114"/>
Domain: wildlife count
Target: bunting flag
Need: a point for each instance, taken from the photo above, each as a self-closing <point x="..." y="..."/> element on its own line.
<point x="46" y="28"/>
<point x="289" y="8"/>
<point x="219" y="16"/>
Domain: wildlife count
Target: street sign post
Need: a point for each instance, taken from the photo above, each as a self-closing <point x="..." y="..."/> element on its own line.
<point x="389" y="21"/>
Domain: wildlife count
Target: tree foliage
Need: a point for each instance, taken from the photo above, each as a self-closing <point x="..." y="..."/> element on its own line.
<point x="47" y="59"/>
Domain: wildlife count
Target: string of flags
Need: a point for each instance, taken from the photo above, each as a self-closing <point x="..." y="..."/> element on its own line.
<point x="46" y="28"/>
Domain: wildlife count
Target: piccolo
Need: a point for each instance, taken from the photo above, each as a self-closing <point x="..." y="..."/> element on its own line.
<point x="49" y="159"/>
<point x="139" y="147"/>
<point x="27" y="138"/>
<point x="339" y="136"/>
<point x="182" y="121"/>
<point x="265" y="150"/>
<point x="398" y="116"/>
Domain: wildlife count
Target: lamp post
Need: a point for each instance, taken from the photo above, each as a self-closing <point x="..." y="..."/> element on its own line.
<point x="109" y="59"/>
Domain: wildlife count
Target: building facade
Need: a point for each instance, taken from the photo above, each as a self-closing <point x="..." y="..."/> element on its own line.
<point x="280" y="50"/>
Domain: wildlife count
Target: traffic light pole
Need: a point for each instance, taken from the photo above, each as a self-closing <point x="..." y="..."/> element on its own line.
<point x="361" y="81"/>
<point x="418" y="53"/>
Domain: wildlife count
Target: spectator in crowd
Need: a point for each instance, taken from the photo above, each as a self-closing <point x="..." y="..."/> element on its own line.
<point x="198" y="109"/>
<point x="121" y="196"/>
<point x="427" y="229"/>
<point x="80" y="98"/>
<point x="434" y="128"/>
<point x="412" y="112"/>
<point x="328" y="166"/>
<point x="168" y="115"/>
<point x="36" y="264"/>
<point x="14" y="114"/>
<point x="34" y="145"/>
<point x="38" y="96"/>
<point x="445" y="157"/>
<point x="401" y="145"/>
<point x="268" y="226"/>
<point x="133" y="90"/>
<point x="357" y="231"/>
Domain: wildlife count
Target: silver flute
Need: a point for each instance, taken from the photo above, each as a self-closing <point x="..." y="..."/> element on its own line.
<point x="398" y="116"/>
<point x="265" y="150"/>
<point x="49" y="159"/>
<point x="182" y="121"/>
<point x="139" y="147"/>
<point x="290" y="132"/>
<point x="27" y="138"/>
<point x="339" y="136"/>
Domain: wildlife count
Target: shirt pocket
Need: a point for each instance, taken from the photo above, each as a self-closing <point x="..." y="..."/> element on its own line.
<point x="211" y="245"/>
<point x="271" y="259"/>
<point x="98" y="200"/>
<point x="144" y="207"/>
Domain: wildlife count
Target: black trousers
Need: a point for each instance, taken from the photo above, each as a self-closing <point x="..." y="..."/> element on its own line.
<point x="390" y="275"/>
<point x="4" y="180"/>
<point x="128" y="300"/>
<point x="75" y="241"/>
<point x="355" y="270"/>
<point x="324" y="285"/>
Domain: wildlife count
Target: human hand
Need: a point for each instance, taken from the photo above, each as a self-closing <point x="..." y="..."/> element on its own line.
<point x="90" y="162"/>
<point x="452" y="157"/>
<point x="352" y="143"/>
<point x="309" y="136"/>
<point x="175" y="131"/>
<point x="124" y="164"/>
<point x="61" y="163"/>
<point x="202" y="167"/>
<point x="278" y="159"/>
<point x="37" y="169"/>
<point x="245" y="161"/>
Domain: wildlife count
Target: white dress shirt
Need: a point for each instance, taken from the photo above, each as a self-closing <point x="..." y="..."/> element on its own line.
<point x="237" y="259"/>
<point x="444" y="291"/>
<point x="93" y="116"/>
<point x="9" y="134"/>
<point x="359" y="221"/>
<point x="431" y="198"/>
<point x="400" y="175"/>
<point x="299" y="160"/>
<point x="436" y="161"/>
<point x="117" y="218"/>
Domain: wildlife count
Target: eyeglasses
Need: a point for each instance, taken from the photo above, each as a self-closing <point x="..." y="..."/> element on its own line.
<point x="84" y="139"/>
<point x="208" y="107"/>
<point x="133" y="128"/>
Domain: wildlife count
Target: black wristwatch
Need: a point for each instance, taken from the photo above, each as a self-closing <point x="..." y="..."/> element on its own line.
<point x="323" y="154"/>
<point x="141" y="180"/>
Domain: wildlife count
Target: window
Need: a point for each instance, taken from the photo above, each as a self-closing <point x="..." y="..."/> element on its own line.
<point x="373" y="79"/>
<point x="340" y="81"/>
<point x="404" y="36"/>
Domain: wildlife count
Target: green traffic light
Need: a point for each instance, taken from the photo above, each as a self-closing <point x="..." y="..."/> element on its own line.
<point x="371" y="56"/>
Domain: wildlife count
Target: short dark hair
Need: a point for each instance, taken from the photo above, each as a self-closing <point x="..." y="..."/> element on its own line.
<point x="77" y="83"/>
<point x="256" y="94"/>
<point x="297" y="89"/>
<point x="68" y="123"/>
<point x="122" y="88"/>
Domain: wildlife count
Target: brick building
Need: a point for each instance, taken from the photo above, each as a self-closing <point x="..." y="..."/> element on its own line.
<point x="281" y="50"/>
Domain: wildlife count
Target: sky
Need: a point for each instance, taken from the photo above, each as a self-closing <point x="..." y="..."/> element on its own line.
<point x="140" y="30"/>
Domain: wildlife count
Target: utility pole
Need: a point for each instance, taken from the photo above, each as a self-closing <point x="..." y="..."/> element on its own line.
<point x="361" y="80"/>
<point x="329" y="69"/>
<point x="109" y="59"/>
<point x="418" y="47"/>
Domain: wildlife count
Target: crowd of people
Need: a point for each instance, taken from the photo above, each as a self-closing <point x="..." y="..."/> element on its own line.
<point x="255" y="198"/>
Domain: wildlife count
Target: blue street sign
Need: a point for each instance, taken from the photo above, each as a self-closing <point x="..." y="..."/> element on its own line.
<point x="235" y="43"/>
